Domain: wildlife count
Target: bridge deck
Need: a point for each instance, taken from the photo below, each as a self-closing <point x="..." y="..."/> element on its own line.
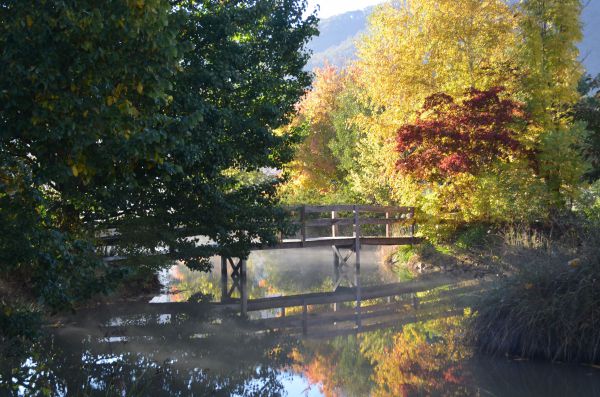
<point x="341" y="242"/>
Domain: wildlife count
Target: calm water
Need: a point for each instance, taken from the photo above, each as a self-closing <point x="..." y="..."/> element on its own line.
<point x="191" y="340"/>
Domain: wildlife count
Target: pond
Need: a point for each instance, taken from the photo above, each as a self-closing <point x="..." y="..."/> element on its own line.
<point x="379" y="335"/>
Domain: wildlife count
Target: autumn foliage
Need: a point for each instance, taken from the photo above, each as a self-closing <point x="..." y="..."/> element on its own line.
<point x="460" y="136"/>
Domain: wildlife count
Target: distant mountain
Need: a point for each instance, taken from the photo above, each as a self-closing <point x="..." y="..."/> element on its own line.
<point x="335" y="44"/>
<point x="590" y="47"/>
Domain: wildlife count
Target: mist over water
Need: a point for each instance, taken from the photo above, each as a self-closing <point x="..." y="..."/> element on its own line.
<point x="192" y="340"/>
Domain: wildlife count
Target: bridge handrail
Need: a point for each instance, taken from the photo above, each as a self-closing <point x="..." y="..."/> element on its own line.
<point x="403" y="215"/>
<point x="393" y="215"/>
<point x="349" y="208"/>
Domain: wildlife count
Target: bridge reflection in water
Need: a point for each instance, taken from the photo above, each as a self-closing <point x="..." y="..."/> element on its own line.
<point x="362" y="339"/>
<point x="348" y="310"/>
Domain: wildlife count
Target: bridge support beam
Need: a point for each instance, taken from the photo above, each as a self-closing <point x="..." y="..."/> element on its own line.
<point x="239" y="281"/>
<point x="341" y="268"/>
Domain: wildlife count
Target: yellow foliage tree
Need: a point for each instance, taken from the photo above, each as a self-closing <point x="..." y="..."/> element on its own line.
<point x="548" y="56"/>
<point x="316" y="170"/>
<point x="415" y="48"/>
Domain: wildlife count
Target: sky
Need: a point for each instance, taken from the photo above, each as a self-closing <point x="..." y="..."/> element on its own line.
<point x="334" y="7"/>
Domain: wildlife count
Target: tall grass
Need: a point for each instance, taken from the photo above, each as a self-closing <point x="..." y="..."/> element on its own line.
<point x="549" y="306"/>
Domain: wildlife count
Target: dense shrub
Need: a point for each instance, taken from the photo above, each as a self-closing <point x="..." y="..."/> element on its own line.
<point x="549" y="307"/>
<point x="472" y="237"/>
<point x="20" y="325"/>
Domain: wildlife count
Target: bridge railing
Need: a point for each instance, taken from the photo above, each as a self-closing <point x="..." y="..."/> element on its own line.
<point x="355" y="217"/>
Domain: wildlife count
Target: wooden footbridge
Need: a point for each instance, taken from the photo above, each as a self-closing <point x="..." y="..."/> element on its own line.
<point x="344" y="228"/>
<point x="341" y="227"/>
<point x="348" y="227"/>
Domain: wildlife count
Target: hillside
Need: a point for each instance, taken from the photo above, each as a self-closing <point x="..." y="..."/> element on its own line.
<point x="335" y="43"/>
<point x="338" y="34"/>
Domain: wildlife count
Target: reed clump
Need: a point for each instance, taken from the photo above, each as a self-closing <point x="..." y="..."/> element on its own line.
<point x="547" y="306"/>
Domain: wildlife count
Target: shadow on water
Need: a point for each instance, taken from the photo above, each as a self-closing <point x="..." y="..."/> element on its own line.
<point x="298" y="337"/>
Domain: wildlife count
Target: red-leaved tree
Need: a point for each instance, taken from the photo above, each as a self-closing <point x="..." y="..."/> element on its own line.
<point x="460" y="136"/>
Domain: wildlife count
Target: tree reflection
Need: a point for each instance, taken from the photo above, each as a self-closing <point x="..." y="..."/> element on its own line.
<point x="171" y="360"/>
<point x="424" y="359"/>
<point x="336" y="367"/>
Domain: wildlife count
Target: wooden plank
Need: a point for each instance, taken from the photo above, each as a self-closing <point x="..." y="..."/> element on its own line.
<point x="311" y="209"/>
<point x="344" y="242"/>
<point x="345" y="295"/>
<point x="390" y="209"/>
<point x="328" y="334"/>
<point x="329" y="222"/>
<point x="390" y="240"/>
<point x="361" y="208"/>
<point x="349" y="221"/>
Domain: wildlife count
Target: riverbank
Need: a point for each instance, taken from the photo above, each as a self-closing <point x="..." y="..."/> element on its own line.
<point x="545" y="300"/>
<point x="23" y="318"/>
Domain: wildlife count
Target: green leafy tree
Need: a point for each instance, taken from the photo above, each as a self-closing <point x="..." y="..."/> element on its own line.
<point x="82" y="91"/>
<point x="140" y="116"/>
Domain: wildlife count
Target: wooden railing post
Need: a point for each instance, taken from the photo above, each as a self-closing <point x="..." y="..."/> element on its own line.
<point x="336" y="265"/>
<point x="243" y="264"/>
<point x="244" y="287"/>
<point x="224" y="279"/>
<point x="357" y="237"/>
<point x="303" y="224"/>
<point x="334" y="227"/>
<point x="387" y="226"/>
<point x="223" y="267"/>
<point x="412" y="223"/>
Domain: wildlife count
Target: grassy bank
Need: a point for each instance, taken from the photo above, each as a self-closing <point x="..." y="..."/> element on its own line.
<point x="544" y="301"/>
<point x="22" y="316"/>
<point x="548" y="305"/>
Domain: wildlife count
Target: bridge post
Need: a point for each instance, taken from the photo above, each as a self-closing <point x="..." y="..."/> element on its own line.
<point x="357" y="237"/>
<point x="303" y="224"/>
<point x="334" y="227"/>
<point x="412" y="223"/>
<point x="224" y="279"/>
<point x="239" y="276"/>
<point x="388" y="227"/>
<point x="336" y="266"/>
<point x="223" y="267"/>
<point x="336" y="273"/>
<point x="358" y="308"/>
<point x="244" y="291"/>
<point x="304" y="318"/>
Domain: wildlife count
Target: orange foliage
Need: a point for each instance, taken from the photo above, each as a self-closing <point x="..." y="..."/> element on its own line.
<point x="418" y="365"/>
<point x="317" y="371"/>
<point x="315" y="166"/>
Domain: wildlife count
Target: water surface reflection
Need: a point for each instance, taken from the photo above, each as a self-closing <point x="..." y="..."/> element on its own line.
<point x="380" y="338"/>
